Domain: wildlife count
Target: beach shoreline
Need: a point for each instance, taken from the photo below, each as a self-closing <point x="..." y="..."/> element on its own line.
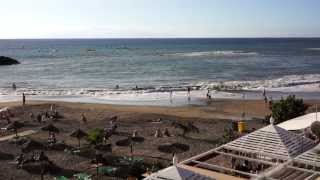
<point x="231" y="109"/>
<point x="169" y="99"/>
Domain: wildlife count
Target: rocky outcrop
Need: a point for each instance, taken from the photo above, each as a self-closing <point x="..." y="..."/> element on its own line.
<point x="7" y="61"/>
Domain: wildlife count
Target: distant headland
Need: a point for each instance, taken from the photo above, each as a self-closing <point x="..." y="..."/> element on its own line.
<point x="7" y="61"/>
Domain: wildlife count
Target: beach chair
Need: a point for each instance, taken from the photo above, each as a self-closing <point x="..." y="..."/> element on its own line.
<point x="82" y="176"/>
<point x="61" y="178"/>
<point x="106" y="170"/>
<point x="72" y="151"/>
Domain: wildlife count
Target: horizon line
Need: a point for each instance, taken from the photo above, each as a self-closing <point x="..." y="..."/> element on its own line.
<point x="80" y="38"/>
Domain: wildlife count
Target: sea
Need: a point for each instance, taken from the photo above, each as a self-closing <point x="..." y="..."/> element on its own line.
<point x="135" y="71"/>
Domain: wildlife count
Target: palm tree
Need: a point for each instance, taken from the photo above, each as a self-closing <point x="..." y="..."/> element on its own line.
<point x="79" y="134"/>
<point x="50" y="128"/>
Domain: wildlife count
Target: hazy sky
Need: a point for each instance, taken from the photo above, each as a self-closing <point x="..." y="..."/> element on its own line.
<point x="158" y="18"/>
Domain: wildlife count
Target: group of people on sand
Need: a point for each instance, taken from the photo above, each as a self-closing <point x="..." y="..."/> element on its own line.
<point x="111" y="128"/>
<point x="266" y="99"/>
<point x="164" y="133"/>
<point x="14" y="88"/>
<point x="21" y="159"/>
<point x="52" y="139"/>
<point x="42" y="117"/>
<point x="6" y="114"/>
<point x="188" y="94"/>
<point x="189" y="89"/>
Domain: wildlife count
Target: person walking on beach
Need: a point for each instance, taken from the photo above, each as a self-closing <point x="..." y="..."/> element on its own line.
<point x="171" y="93"/>
<point x="39" y="118"/>
<point x="208" y="95"/>
<point x="52" y="108"/>
<point x="270" y="101"/>
<point x="264" y="95"/>
<point x="189" y="91"/>
<point x="14" y="86"/>
<point x="31" y="116"/>
<point x="23" y="99"/>
<point x="265" y="99"/>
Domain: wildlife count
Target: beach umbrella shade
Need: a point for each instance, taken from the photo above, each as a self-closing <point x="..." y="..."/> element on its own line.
<point x="173" y="148"/>
<point x="123" y="142"/>
<point x="31" y="145"/>
<point x="79" y="134"/>
<point x="50" y="128"/>
<point x="6" y="156"/>
<point x="15" y="126"/>
<point x="137" y="139"/>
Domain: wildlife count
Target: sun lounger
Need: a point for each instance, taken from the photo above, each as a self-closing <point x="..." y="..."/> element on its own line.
<point x="82" y="176"/>
<point x="72" y="151"/>
<point x="106" y="170"/>
<point x="61" y="178"/>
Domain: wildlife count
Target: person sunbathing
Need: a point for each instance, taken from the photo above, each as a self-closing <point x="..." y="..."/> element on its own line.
<point x="52" y="139"/>
<point x="20" y="160"/>
<point x="42" y="157"/>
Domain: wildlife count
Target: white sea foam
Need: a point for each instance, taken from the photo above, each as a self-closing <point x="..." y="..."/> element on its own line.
<point x="227" y="53"/>
<point x="313" y="49"/>
<point x="286" y="84"/>
<point x="298" y="83"/>
<point x="305" y="83"/>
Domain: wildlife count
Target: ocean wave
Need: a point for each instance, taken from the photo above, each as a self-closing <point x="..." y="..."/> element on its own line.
<point x="291" y="83"/>
<point x="227" y="53"/>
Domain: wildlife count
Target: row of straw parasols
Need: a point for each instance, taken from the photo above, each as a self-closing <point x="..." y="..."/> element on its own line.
<point x="78" y="133"/>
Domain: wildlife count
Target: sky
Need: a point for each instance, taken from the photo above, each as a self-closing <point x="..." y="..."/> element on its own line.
<point x="158" y="18"/>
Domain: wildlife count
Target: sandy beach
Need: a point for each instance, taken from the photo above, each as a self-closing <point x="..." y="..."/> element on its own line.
<point x="211" y="121"/>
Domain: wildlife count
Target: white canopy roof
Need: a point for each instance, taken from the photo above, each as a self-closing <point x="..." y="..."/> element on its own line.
<point x="300" y="122"/>
<point x="5" y="109"/>
<point x="176" y="173"/>
<point x="271" y="141"/>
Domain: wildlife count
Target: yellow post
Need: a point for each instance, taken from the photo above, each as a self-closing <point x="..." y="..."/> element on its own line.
<point x="241" y="126"/>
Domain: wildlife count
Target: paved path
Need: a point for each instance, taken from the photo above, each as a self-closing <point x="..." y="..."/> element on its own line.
<point x="24" y="133"/>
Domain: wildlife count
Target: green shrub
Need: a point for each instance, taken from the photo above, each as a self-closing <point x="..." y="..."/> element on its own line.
<point x="95" y="136"/>
<point x="228" y="135"/>
<point x="288" y="108"/>
<point x="315" y="128"/>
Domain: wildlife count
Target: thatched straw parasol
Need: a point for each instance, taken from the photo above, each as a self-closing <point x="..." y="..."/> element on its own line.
<point x="31" y="145"/>
<point x="6" y="156"/>
<point x="123" y="142"/>
<point x="15" y="126"/>
<point x="79" y="134"/>
<point x="137" y="139"/>
<point x="50" y="128"/>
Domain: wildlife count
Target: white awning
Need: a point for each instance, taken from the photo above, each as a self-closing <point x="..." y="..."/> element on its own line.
<point x="300" y="122"/>
<point x="5" y="109"/>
